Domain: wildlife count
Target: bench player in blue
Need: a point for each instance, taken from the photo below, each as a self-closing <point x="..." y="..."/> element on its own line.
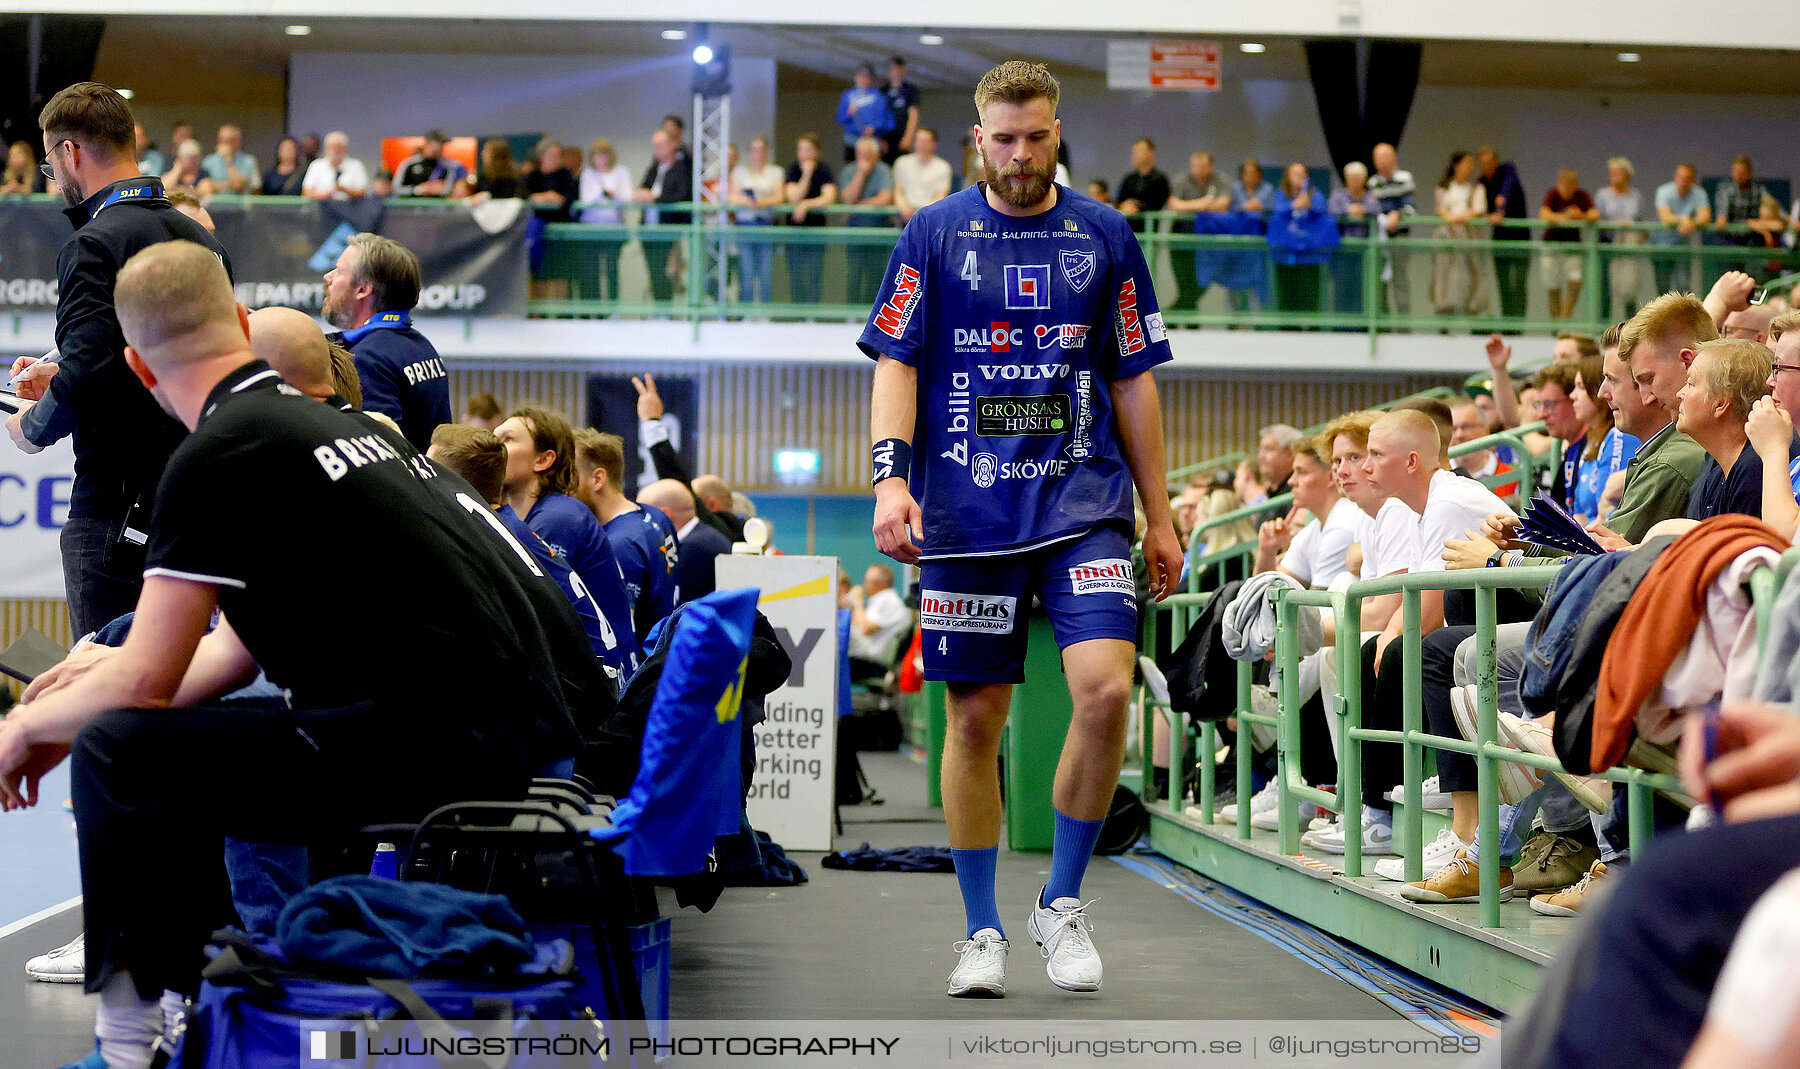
<point x="1013" y="410"/>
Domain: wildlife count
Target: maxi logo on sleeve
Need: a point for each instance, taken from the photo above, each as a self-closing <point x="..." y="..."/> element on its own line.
<point x="1109" y="575"/>
<point x="945" y="610"/>
<point x="1004" y="416"/>
<point x="897" y="312"/>
<point x="1126" y="324"/>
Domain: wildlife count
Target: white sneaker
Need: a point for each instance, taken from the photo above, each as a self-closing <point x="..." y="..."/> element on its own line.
<point x="1533" y="736"/>
<point x="1438" y="853"/>
<point x="1431" y="796"/>
<point x="1261" y="802"/>
<point x="1517" y="782"/>
<point x="1376" y="838"/>
<point x="1318" y="829"/>
<point x="1061" y="932"/>
<point x="67" y="964"/>
<point x="981" y="971"/>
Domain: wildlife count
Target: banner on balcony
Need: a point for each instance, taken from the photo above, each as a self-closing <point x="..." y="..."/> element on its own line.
<point x="472" y="265"/>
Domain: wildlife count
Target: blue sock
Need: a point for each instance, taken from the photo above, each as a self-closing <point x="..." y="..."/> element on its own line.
<point x="1073" y="845"/>
<point x="975" y="877"/>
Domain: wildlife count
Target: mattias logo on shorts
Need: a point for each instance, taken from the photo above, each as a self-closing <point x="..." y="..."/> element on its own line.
<point x="1128" y="328"/>
<point x="1109" y="575"/>
<point x="897" y="312"/>
<point x="944" y="610"/>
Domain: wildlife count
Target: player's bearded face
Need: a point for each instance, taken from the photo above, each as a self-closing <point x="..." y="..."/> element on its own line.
<point x="1020" y="184"/>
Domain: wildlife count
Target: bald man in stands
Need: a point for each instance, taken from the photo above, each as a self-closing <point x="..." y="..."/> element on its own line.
<point x="698" y="543"/>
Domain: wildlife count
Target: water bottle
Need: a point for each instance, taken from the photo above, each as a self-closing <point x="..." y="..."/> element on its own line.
<point x="387" y="861"/>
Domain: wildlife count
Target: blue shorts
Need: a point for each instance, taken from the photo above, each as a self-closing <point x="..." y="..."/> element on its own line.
<point x="972" y="609"/>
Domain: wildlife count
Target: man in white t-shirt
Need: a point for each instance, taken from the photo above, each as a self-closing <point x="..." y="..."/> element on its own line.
<point x="1315" y="554"/>
<point x="877" y="619"/>
<point x="922" y="176"/>
<point x="336" y="175"/>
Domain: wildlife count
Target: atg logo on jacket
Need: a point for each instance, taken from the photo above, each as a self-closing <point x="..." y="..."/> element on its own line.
<point x="946" y="610"/>
<point x="897" y="312"/>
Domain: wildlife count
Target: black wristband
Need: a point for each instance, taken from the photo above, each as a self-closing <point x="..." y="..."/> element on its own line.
<point x="890" y="458"/>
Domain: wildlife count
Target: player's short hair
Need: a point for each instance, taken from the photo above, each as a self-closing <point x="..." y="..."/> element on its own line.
<point x="603" y="452"/>
<point x="1737" y="370"/>
<point x="1354" y="424"/>
<point x="551" y="433"/>
<point x="1017" y="81"/>
<point x="171" y="290"/>
<point x="93" y="116"/>
<point x="344" y="379"/>
<point x="483" y="406"/>
<point x="1676" y="317"/>
<point x="1584" y="343"/>
<point x="1781" y="324"/>
<point x="475" y="454"/>
<point x="390" y="269"/>
<point x="1440" y="415"/>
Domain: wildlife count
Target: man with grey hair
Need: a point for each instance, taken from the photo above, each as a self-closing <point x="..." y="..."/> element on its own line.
<point x="1275" y="455"/>
<point x="336" y="175"/>
<point x="370" y="296"/>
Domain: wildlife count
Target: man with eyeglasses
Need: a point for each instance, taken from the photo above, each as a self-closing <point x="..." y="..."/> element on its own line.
<point x="1555" y="384"/>
<point x="122" y="436"/>
<point x="1771" y="426"/>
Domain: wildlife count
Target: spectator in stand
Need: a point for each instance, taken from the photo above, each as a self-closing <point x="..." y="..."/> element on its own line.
<point x="1302" y="235"/>
<point x="336" y="175"/>
<point x="866" y="181"/>
<point x="1554" y="385"/>
<point x="676" y="127"/>
<point x="551" y="188"/>
<point x="231" y="169"/>
<point x="381" y="184"/>
<point x="1680" y="205"/>
<point x="971" y="161"/>
<point x="1724" y="380"/>
<point x="1144" y="188"/>
<point x="499" y="176"/>
<point x="189" y="205"/>
<point x="179" y="134"/>
<point x="483" y="410"/>
<point x="604" y="183"/>
<point x="1199" y="190"/>
<point x="22" y="176"/>
<point x="1251" y="194"/>
<point x="1062" y="164"/>
<point x="1606" y="450"/>
<point x="1771" y="428"/>
<point x="1275" y="457"/>
<point x="755" y="185"/>
<point x="1621" y="277"/>
<point x="309" y="149"/>
<point x="1394" y="189"/>
<point x="1353" y="206"/>
<point x="1506" y="200"/>
<point x="1097" y="189"/>
<point x="1566" y="202"/>
<point x="903" y="102"/>
<point x="1247" y="483"/>
<point x="1459" y="277"/>
<point x="1745" y="202"/>
<point x="668" y="180"/>
<point x="809" y="186"/>
<point x="186" y="172"/>
<point x="877" y="620"/>
<point x="921" y="176"/>
<point x="150" y="161"/>
<point x="428" y="172"/>
<point x="863" y="111"/>
<point x="283" y="179"/>
<point x="1467" y="424"/>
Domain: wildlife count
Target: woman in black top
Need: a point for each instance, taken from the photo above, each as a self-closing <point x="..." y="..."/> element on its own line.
<point x="499" y="178"/>
<point x="22" y="175"/>
<point x="283" y="179"/>
<point x="551" y="188"/>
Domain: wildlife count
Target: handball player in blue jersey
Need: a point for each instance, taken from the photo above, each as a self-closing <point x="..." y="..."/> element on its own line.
<point x="1013" y="411"/>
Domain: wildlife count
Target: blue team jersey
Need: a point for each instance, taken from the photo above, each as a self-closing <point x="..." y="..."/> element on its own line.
<point x="604" y="611"/>
<point x="402" y="377"/>
<point x="1016" y="327"/>
<point x="647" y="560"/>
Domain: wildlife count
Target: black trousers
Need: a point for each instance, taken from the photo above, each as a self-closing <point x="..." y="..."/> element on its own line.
<point x="1437" y="674"/>
<point x="1512" y="274"/>
<point x="656" y="263"/>
<point x="102" y="573"/>
<point x="157" y="791"/>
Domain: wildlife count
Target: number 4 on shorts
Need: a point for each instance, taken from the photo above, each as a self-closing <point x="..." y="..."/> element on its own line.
<point x="944" y="644"/>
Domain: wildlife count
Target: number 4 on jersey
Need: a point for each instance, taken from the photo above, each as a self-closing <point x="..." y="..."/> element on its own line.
<point x="971" y="273"/>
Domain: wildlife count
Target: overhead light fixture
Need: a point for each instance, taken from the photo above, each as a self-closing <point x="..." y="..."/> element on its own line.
<point x="1629" y="57"/>
<point x="299" y="31"/>
<point x="1253" y="47"/>
<point x="126" y="93"/>
<point x="703" y="53"/>
<point x="674" y="35"/>
<point x="930" y="39"/>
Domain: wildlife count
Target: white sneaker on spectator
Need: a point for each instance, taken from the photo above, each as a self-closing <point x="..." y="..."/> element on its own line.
<point x="1261" y="802"/>
<point x="1061" y="932"/>
<point x="1377" y="838"/>
<point x="981" y="971"/>
<point x="1431" y="796"/>
<point x="1533" y="736"/>
<point x="1438" y="853"/>
<point x="67" y="964"/>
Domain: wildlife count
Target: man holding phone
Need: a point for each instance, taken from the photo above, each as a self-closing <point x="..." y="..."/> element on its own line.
<point x="122" y="437"/>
